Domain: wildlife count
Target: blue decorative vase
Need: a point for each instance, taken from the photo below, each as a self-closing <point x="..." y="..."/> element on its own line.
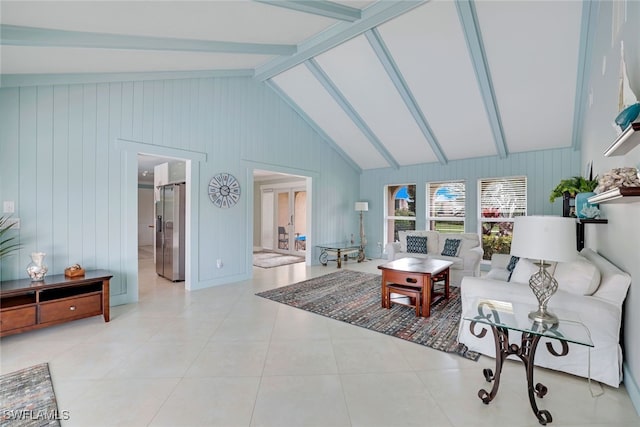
<point x="628" y="115"/>
<point x="582" y="202"/>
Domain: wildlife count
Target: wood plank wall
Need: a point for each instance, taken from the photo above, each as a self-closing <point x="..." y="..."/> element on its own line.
<point x="60" y="163"/>
<point x="543" y="169"/>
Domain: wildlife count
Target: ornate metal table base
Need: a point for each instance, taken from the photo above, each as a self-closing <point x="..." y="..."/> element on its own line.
<point x="525" y="352"/>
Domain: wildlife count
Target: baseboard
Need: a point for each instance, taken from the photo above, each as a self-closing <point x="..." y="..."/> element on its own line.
<point x="632" y="387"/>
<point x="203" y="284"/>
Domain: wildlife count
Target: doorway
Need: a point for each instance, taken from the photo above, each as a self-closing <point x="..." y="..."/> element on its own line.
<point x="130" y="289"/>
<point x="282" y="212"/>
<point x="154" y="173"/>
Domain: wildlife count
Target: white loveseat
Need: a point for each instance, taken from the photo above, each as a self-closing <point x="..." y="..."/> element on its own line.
<point x="590" y="288"/>
<point x="466" y="262"/>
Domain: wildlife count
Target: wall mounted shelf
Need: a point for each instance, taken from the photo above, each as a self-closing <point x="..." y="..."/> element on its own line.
<point x="617" y="195"/>
<point x="580" y="222"/>
<point x="625" y="142"/>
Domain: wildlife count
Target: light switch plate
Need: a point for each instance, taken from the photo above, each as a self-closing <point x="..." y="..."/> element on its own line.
<point x="8" y="206"/>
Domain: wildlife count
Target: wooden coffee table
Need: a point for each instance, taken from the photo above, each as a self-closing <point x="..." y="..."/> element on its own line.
<point x="417" y="273"/>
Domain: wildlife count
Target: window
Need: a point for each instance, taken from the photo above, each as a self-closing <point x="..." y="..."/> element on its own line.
<point x="400" y="210"/>
<point x="445" y="206"/>
<point x="501" y="200"/>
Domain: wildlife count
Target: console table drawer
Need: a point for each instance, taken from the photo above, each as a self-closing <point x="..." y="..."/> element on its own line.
<point x="84" y="306"/>
<point x="17" y="318"/>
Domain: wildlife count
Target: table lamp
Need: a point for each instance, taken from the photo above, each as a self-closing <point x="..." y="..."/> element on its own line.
<point x="362" y="207"/>
<point x="544" y="238"/>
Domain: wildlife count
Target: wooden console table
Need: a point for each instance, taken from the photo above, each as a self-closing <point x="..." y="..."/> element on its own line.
<point x="27" y="305"/>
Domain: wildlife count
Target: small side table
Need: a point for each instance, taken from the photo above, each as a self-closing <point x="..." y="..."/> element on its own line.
<point x="501" y="317"/>
<point x="339" y="249"/>
<point x="419" y="273"/>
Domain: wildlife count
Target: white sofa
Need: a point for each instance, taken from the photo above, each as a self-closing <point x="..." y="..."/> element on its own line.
<point x="591" y="288"/>
<point x="465" y="263"/>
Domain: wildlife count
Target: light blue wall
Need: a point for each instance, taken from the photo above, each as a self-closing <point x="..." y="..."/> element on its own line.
<point x="543" y="169"/>
<point x="619" y="240"/>
<point x="62" y="161"/>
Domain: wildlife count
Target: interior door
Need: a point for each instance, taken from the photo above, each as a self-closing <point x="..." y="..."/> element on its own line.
<point x="284" y="219"/>
<point x="267" y="238"/>
<point x="299" y="221"/>
<point x="291" y="209"/>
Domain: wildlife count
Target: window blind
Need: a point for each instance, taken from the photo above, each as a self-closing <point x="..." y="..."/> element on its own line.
<point x="503" y="197"/>
<point x="446" y="199"/>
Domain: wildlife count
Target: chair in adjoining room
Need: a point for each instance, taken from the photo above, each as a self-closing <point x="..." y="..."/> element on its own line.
<point x="283" y="238"/>
<point x="300" y="242"/>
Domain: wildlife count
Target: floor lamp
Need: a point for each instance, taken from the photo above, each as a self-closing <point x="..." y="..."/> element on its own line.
<point x="544" y="238"/>
<point x="362" y="207"/>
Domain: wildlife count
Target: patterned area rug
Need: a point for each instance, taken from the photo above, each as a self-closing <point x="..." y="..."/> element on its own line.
<point x="266" y="259"/>
<point x="27" y="398"/>
<point x="354" y="297"/>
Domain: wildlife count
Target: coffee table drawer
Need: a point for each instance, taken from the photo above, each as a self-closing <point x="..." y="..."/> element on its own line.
<point x="404" y="278"/>
<point x="69" y="308"/>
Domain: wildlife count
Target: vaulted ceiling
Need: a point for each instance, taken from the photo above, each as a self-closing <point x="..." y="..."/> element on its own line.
<point x="386" y="83"/>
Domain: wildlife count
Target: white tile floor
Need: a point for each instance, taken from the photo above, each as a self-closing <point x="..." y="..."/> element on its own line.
<point x="224" y="357"/>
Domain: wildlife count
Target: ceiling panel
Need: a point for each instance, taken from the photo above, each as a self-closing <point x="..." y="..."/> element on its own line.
<point x="361" y="78"/>
<point x="239" y="21"/>
<point x="307" y="92"/>
<point x="32" y="59"/>
<point x="528" y="49"/>
<point x="430" y="50"/>
<point x="534" y="69"/>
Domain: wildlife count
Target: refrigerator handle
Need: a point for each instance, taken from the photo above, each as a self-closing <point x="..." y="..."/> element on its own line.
<point x="159" y="224"/>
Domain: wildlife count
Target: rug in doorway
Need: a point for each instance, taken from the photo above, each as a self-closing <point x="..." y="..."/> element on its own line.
<point x="265" y="259"/>
<point x="27" y="398"/>
<point x="354" y="297"/>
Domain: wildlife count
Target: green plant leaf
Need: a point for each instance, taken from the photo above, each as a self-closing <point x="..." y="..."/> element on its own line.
<point x="6" y="245"/>
<point x="573" y="186"/>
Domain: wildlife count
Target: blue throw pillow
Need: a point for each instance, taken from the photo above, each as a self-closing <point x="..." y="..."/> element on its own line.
<point x="512" y="266"/>
<point x="451" y="247"/>
<point x="417" y="244"/>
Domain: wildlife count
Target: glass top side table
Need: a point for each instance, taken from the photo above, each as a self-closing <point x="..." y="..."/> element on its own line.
<point x="501" y="317"/>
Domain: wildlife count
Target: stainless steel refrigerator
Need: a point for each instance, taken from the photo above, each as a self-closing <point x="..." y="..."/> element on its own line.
<point x="170" y="219"/>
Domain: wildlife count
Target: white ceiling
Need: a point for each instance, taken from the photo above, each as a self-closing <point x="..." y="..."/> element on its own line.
<point x="387" y="83"/>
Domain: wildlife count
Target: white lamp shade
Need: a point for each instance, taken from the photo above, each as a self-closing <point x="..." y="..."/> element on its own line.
<point x="362" y="206"/>
<point x="548" y="238"/>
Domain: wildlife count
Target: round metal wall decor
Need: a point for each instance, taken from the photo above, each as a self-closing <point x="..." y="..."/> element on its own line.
<point x="224" y="190"/>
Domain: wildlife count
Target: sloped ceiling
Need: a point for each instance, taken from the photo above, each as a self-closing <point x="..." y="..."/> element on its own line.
<point x="386" y="83"/>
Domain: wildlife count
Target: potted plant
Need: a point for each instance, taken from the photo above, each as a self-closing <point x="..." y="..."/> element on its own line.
<point x="6" y="245"/>
<point x="570" y="187"/>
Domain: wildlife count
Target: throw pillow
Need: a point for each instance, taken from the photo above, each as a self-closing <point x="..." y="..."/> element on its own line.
<point x="579" y="277"/>
<point x="417" y="244"/>
<point x="498" y="274"/>
<point x="525" y="268"/>
<point x="451" y="247"/>
<point x="512" y="265"/>
<point x="523" y="271"/>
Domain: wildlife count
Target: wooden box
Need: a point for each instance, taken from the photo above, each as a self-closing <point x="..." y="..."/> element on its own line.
<point x="73" y="272"/>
